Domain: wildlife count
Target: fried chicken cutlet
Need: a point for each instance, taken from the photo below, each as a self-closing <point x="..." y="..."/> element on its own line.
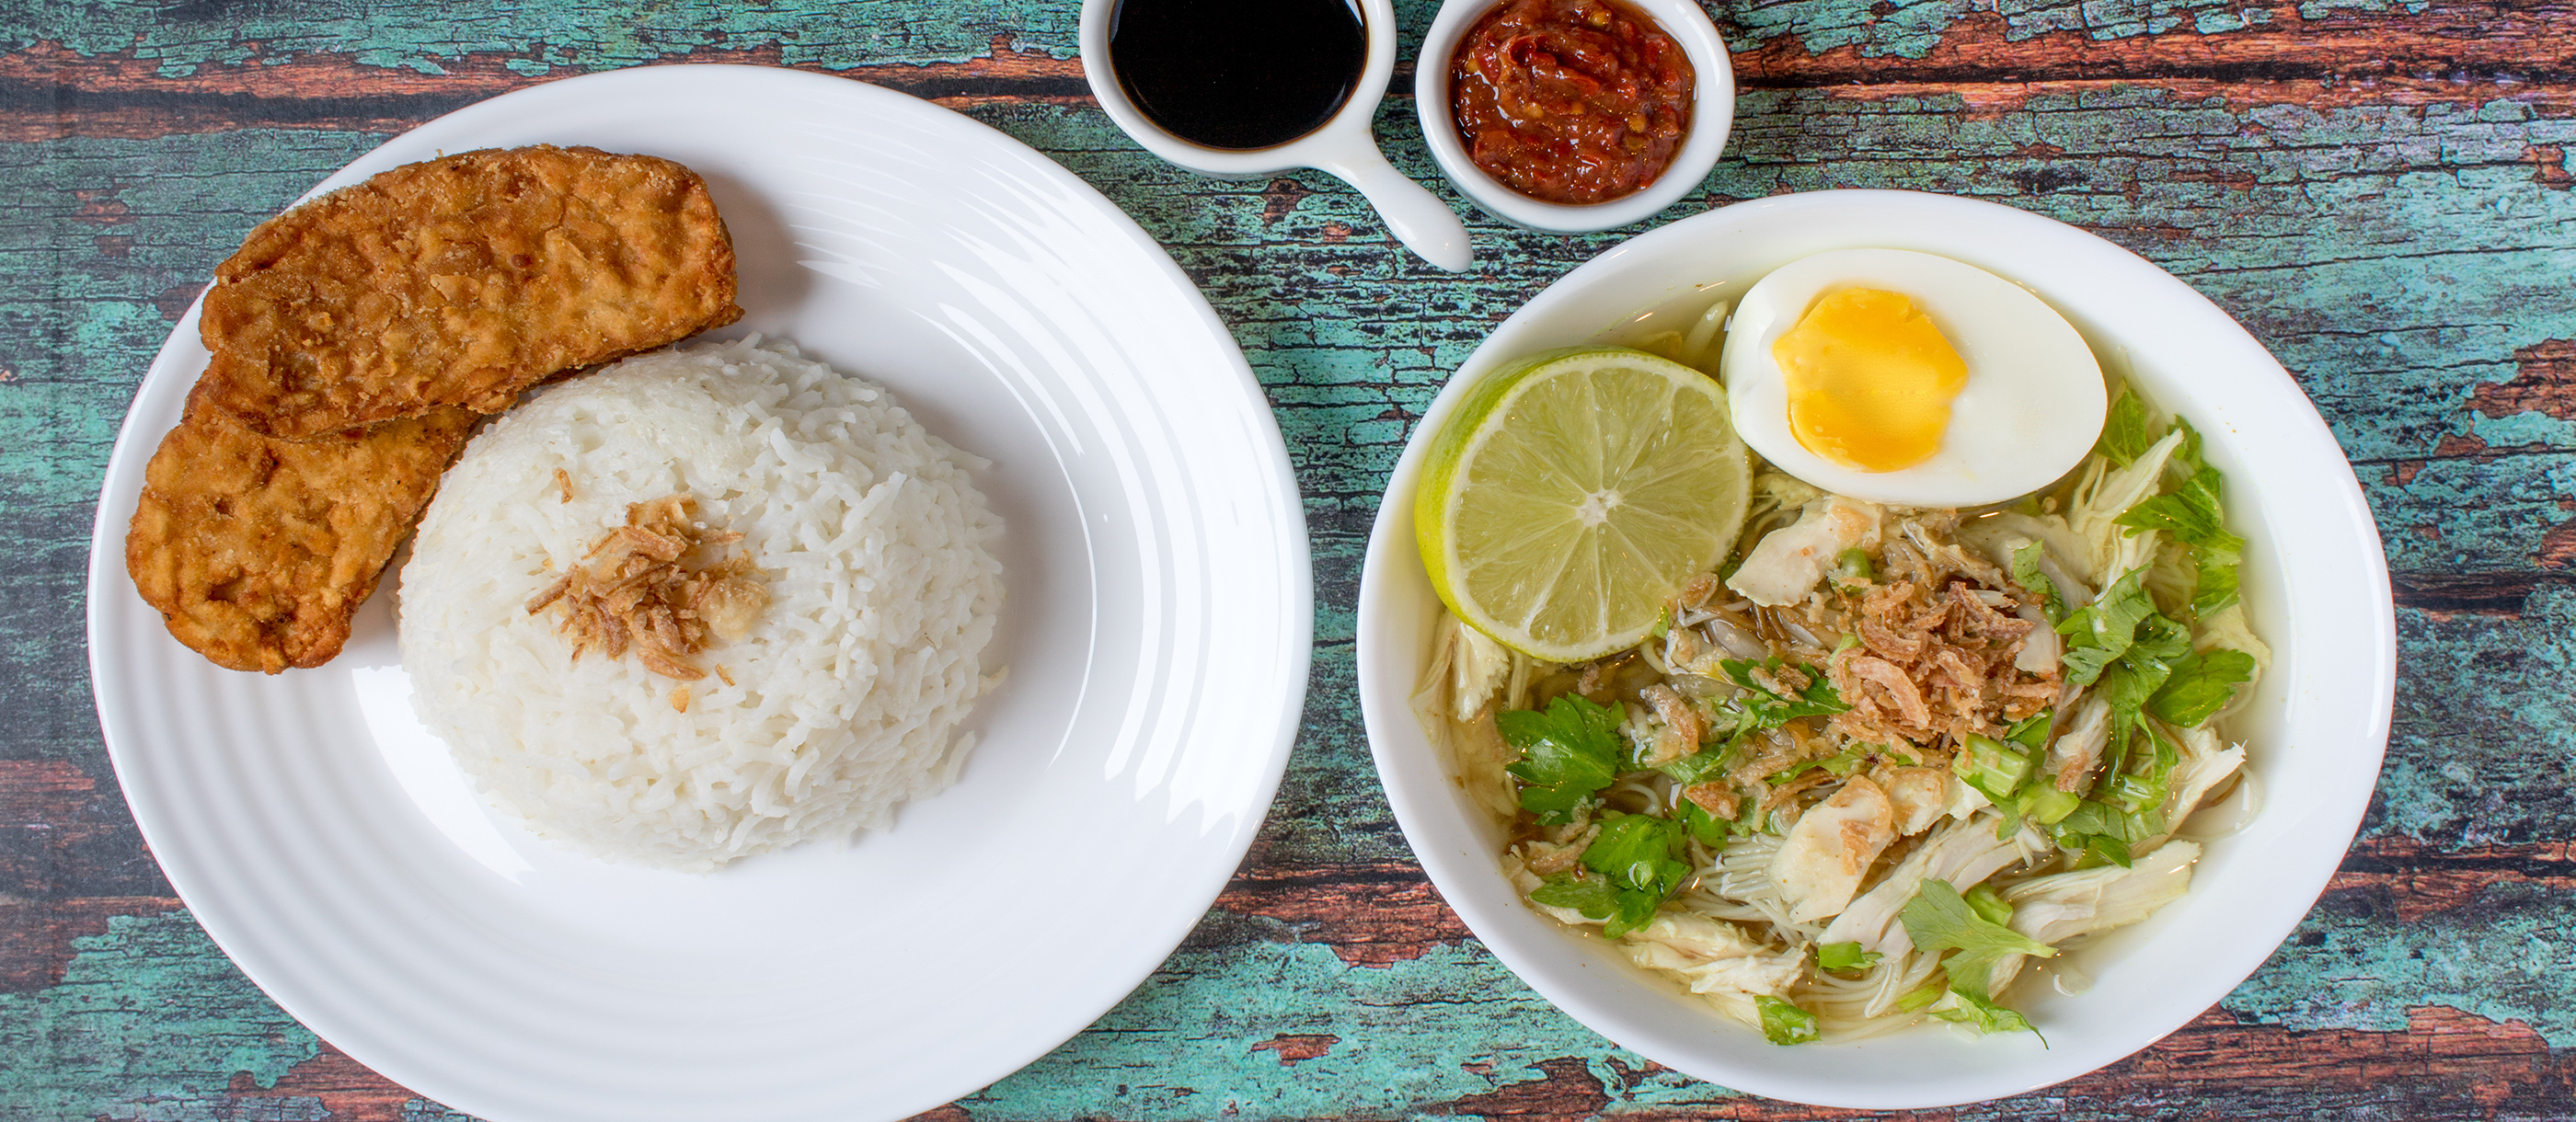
<point x="460" y="282"/>
<point x="257" y="551"/>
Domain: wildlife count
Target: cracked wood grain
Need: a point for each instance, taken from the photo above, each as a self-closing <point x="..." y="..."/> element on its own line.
<point x="38" y="938"/>
<point x="2379" y="191"/>
<point x="1370" y="915"/>
<point x="2444" y="1065"/>
<point x="51" y="89"/>
<point x="1294" y="1048"/>
<point x="2521" y="40"/>
<point x="49" y="92"/>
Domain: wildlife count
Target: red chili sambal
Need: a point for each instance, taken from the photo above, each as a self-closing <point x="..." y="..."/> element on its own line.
<point x="1570" y="101"/>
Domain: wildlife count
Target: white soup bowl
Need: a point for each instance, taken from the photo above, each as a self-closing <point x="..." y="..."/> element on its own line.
<point x="2315" y="727"/>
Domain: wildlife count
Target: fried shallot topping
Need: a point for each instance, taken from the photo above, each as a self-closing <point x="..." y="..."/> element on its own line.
<point x="1939" y="629"/>
<point x="661" y="586"/>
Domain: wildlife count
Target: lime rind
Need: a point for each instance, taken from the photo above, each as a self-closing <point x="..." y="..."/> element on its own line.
<point x="1571" y="495"/>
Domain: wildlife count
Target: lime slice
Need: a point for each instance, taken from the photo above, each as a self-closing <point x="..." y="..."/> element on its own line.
<point x="1572" y="495"/>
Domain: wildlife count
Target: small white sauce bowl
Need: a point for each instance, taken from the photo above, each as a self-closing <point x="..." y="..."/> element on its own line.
<point x="1712" y="116"/>
<point x="2315" y="581"/>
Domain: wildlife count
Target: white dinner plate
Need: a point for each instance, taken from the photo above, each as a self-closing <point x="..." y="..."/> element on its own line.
<point x="2315" y="586"/>
<point x="1157" y="628"/>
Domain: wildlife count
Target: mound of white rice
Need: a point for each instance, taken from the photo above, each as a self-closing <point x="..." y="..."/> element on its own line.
<point x="846" y="693"/>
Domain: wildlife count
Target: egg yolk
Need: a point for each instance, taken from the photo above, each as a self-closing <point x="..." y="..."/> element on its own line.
<point x="1869" y="379"/>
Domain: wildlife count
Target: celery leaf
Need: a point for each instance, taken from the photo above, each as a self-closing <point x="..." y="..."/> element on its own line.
<point x="1939" y="918"/>
<point x="1567" y="753"/>
<point x="1592" y="896"/>
<point x="2027" y="574"/>
<point x="2103" y="630"/>
<point x="1784" y="1023"/>
<point x="2190" y="513"/>
<point x="2213" y="585"/>
<point x="1770" y="710"/>
<point x="1635" y="853"/>
<point x="2202" y="684"/>
<point x="2124" y="431"/>
<point x="1982" y="1014"/>
<point x="1844" y="956"/>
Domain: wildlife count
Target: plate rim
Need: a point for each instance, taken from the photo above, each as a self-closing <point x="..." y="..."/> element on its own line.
<point x="1388" y="714"/>
<point x="106" y="577"/>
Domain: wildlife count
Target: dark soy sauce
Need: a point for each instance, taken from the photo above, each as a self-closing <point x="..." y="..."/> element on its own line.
<point x="1238" y="73"/>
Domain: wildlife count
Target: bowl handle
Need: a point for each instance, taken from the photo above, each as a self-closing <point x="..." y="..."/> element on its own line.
<point x="1413" y="214"/>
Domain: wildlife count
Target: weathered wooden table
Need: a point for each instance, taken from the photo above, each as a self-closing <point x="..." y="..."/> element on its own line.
<point x="2379" y="190"/>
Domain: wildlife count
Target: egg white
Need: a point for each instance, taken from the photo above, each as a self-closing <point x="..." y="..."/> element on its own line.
<point x="2032" y="407"/>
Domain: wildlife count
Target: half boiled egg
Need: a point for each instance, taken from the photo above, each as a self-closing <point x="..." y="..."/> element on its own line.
<point x="1911" y="379"/>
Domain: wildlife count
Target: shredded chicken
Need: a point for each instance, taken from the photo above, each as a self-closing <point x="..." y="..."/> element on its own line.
<point x="1918" y="795"/>
<point x="1914" y="620"/>
<point x="2072" y="756"/>
<point x="638" y="589"/>
<point x="1787" y="562"/>
<point x="1821" y="862"/>
<point x="1714" y="957"/>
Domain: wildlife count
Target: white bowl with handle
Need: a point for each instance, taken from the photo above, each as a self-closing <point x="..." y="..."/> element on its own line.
<point x="1345" y="146"/>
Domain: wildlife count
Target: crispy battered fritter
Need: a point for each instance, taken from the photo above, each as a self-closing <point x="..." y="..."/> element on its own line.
<point x="461" y="281"/>
<point x="257" y="551"/>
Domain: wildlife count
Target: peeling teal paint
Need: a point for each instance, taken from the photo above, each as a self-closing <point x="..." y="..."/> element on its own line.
<point x="2505" y="958"/>
<point x="2483" y="752"/>
<point x="1450" y="1024"/>
<point x="1407" y="1033"/>
<point x="2524" y="429"/>
<point x="2320" y="9"/>
<point x="149" y="1024"/>
<point x="2393" y="256"/>
<point x="605" y="34"/>
<point x="1913" y="30"/>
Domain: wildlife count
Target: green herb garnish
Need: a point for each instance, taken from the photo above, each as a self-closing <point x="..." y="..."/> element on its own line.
<point x="2213" y="586"/>
<point x="1844" y="956"/>
<point x="1994" y="767"/>
<point x="1635" y="857"/>
<point x="1989" y="905"/>
<point x="1939" y="918"/>
<point x="1769" y="710"/>
<point x="1689" y="769"/>
<point x="2032" y="731"/>
<point x="1784" y="1023"/>
<point x="2102" y="630"/>
<point x="2202" y="684"/>
<point x="1983" y="1015"/>
<point x="2124" y="431"/>
<point x="1714" y="830"/>
<point x="1839" y="764"/>
<point x="2190" y="513"/>
<point x="1567" y="753"/>
<point x="2027" y="574"/>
